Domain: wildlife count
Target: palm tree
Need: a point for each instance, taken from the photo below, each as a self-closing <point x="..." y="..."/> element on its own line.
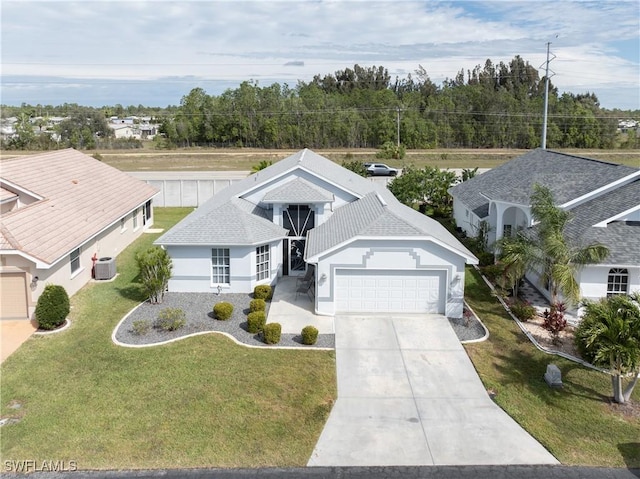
<point x="261" y="166"/>
<point x="609" y="337"/>
<point x="548" y="251"/>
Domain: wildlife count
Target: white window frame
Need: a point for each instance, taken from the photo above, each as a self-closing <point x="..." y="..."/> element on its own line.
<point x="617" y="281"/>
<point x="123" y="224"/>
<point x="74" y="257"/>
<point x="263" y="263"/>
<point x="134" y="217"/>
<point x="222" y="274"/>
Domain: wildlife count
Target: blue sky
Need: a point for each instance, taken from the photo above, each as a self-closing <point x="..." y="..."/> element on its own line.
<point x="154" y="52"/>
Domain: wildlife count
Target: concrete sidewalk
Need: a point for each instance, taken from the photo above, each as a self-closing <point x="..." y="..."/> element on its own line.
<point x="14" y="332"/>
<point x="294" y="310"/>
<point x="408" y="394"/>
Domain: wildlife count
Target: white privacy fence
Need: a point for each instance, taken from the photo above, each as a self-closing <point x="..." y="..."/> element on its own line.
<point x="192" y="188"/>
<point x="187" y="188"/>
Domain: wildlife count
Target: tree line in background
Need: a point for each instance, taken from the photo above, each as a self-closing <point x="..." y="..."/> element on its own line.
<point x="492" y="106"/>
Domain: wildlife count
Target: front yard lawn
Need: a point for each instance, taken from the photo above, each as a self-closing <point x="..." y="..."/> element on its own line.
<point x="578" y="424"/>
<point x="200" y="402"/>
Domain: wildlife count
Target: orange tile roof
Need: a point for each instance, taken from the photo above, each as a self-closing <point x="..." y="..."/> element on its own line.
<point x="81" y="197"/>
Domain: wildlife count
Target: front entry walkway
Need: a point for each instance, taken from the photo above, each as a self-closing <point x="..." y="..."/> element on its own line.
<point x="294" y="310"/>
<point x="408" y="394"/>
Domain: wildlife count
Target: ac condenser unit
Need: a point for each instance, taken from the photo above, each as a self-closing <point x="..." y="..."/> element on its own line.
<point x="105" y="268"/>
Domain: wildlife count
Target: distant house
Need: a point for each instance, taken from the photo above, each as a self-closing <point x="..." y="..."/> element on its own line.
<point x="125" y="131"/>
<point x="61" y="211"/>
<point x="364" y="251"/>
<point x="603" y="198"/>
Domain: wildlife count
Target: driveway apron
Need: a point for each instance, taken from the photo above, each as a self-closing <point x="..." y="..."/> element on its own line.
<point x="408" y="394"/>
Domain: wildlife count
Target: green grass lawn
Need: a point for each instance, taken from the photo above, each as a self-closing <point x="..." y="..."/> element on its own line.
<point x="578" y="424"/>
<point x="203" y="401"/>
<point x="206" y="401"/>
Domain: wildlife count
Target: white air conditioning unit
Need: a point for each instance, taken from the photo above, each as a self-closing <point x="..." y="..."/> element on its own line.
<point x="105" y="268"/>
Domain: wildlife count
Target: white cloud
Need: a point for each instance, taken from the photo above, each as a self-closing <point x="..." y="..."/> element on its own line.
<point x="143" y="40"/>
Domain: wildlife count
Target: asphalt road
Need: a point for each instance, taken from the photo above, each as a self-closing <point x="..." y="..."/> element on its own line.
<point x="405" y="472"/>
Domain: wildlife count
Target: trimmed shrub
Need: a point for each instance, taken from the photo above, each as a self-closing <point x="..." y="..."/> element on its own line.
<point x="223" y="310"/>
<point x="493" y="271"/>
<point x="523" y="310"/>
<point x="262" y="291"/>
<point x="257" y="305"/>
<point x="52" y="307"/>
<point x="554" y="321"/>
<point x="485" y="258"/>
<point x="141" y="327"/>
<point x="271" y="333"/>
<point x="309" y="335"/>
<point x="170" y="319"/>
<point x="256" y="321"/>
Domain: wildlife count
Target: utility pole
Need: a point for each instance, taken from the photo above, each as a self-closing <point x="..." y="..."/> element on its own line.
<point x="398" y="125"/>
<point x="546" y="99"/>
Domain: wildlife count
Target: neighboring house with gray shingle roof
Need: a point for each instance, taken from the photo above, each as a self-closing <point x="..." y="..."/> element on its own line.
<point x="60" y="210"/>
<point x="370" y="253"/>
<point x="603" y="198"/>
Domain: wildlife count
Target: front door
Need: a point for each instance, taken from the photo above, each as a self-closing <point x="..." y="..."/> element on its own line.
<point x="298" y="220"/>
<point x="297" y="266"/>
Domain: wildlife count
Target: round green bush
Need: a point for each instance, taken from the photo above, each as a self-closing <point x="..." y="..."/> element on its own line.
<point x="257" y="305"/>
<point x="52" y="307"/>
<point x="256" y="321"/>
<point x="309" y="335"/>
<point x="271" y="333"/>
<point x="223" y="310"/>
<point x="262" y="291"/>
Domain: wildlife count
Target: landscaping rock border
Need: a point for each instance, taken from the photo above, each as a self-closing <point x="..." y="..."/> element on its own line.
<point x="198" y="309"/>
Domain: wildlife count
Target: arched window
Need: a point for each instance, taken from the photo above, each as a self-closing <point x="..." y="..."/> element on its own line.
<point x="618" y="281"/>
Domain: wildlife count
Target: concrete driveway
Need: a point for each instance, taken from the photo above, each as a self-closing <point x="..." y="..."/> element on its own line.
<point x="14" y="332"/>
<point x="408" y="394"/>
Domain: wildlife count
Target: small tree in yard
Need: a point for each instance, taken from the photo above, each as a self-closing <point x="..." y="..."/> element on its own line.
<point x="609" y="337"/>
<point x="155" y="270"/>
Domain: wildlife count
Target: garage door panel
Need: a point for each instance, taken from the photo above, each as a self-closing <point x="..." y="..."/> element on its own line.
<point x="13" y="296"/>
<point x="390" y="291"/>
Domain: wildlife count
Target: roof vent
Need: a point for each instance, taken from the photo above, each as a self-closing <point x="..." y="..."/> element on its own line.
<point x="381" y="200"/>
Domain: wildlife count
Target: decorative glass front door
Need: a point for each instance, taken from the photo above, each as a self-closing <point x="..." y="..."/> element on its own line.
<point x="297" y="266"/>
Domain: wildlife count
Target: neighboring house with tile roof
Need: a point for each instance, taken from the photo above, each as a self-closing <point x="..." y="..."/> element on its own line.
<point x="60" y="210"/>
<point x="603" y="198"/>
<point x="370" y="253"/>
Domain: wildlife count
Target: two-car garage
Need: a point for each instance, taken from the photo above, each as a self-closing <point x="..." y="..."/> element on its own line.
<point x="390" y="291"/>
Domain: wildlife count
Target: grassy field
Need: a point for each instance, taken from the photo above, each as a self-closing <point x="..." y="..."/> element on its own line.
<point x="204" y="401"/>
<point x="242" y="159"/>
<point x="578" y="424"/>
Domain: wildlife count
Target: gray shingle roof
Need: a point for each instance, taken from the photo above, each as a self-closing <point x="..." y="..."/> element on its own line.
<point x="366" y="216"/>
<point x="567" y="176"/>
<point x="236" y="222"/>
<point x="373" y="216"/>
<point x="298" y="190"/>
<point x="622" y="238"/>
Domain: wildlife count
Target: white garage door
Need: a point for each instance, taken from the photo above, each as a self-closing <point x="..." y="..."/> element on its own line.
<point x="359" y="291"/>
<point x="13" y="296"/>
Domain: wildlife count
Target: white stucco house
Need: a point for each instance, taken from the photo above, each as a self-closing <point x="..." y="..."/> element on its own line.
<point x="61" y="212"/>
<point x="369" y="252"/>
<point x="603" y="199"/>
